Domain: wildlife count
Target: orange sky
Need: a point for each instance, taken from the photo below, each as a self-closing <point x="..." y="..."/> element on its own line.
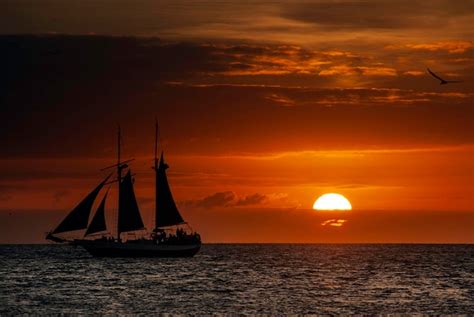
<point x="263" y="107"/>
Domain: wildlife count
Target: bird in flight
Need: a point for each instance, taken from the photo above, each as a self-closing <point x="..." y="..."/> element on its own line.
<point x="442" y="81"/>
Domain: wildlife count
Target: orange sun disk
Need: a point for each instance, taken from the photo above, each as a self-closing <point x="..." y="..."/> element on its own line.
<point x="332" y="201"/>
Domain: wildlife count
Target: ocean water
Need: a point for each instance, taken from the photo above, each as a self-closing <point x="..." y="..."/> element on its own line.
<point x="248" y="279"/>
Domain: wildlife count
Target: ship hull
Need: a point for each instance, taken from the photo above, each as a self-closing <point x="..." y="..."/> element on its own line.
<point x="138" y="249"/>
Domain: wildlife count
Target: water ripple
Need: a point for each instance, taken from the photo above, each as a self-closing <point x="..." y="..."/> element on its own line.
<point x="247" y="279"/>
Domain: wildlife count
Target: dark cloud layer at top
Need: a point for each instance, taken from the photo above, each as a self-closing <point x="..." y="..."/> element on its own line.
<point x="64" y="95"/>
<point x="383" y="14"/>
<point x="302" y="21"/>
<point x="101" y="58"/>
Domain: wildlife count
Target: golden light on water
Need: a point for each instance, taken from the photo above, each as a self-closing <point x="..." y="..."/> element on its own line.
<point x="332" y="201"/>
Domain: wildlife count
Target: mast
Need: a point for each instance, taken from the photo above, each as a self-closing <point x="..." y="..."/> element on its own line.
<point x="128" y="213"/>
<point x="156" y="143"/>
<point x="156" y="172"/>
<point x="119" y="168"/>
<point x="119" y="178"/>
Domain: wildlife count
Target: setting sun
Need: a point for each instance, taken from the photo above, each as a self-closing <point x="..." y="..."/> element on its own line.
<point x="332" y="201"/>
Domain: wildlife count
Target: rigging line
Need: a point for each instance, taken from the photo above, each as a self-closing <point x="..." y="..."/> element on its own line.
<point x="122" y="143"/>
<point x="158" y="136"/>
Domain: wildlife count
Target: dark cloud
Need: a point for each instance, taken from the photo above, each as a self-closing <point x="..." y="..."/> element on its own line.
<point x="226" y="199"/>
<point x="123" y="17"/>
<point x="95" y="58"/>
<point x="221" y="199"/>
<point x="62" y="96"/>
<point x="260" y="21"/>
<point x="254" y="199"/>
<point x="383" y="14"/>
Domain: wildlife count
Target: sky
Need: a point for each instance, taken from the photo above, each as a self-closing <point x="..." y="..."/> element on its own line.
<point x="263" y="106"/>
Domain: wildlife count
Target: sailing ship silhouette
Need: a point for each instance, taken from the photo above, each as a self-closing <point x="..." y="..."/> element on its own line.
<point x="167" y="239"/>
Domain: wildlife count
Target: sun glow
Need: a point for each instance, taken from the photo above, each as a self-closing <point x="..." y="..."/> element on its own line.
<point x="332" y="201"/>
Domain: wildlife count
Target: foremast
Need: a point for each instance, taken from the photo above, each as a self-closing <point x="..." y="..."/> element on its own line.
<point x="128" y="214"/>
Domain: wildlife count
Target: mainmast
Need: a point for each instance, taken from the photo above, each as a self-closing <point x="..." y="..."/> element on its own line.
<point x="156" y="143"/>
<point x="156" y="172"/>
<point x="119" y="179"/>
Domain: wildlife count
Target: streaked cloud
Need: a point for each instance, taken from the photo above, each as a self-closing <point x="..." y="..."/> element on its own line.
<point x="254" y="199"/>
<point x="280" y="99"/>
<point x="341" y="153"/>
<point x="414" y="73"/>
<point x="230" y="199"/>
<point x="403" y="14"/>
<point x="220" y="199"/>
<point x="454" y="47"/>
<point x="360" y="70"/>
<point x="334" y="222"/>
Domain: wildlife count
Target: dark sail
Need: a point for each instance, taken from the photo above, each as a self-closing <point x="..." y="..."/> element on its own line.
<point x="166" y="214"/>
<point x="79" y="216"/>
<point x="129" y="218"/>
<point x="98" y="222"/>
